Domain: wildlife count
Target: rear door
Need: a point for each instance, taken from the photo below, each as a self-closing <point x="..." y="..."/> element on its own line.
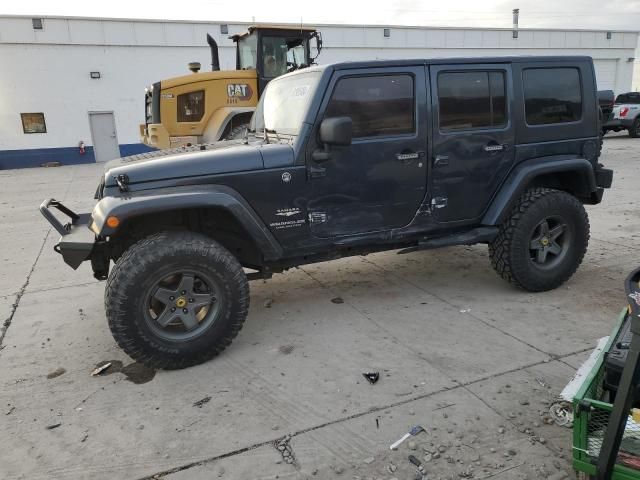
<point x="473" y="137"/>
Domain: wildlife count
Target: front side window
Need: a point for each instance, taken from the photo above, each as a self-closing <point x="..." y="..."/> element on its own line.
<point x="471" y="99"/>
<point x="380" y="105"/>
<point x="191" y="106"/>
<point x="552" y="95"/>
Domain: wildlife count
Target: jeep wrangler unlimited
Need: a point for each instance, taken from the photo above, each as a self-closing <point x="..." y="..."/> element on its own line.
<point x="345" y="159"/>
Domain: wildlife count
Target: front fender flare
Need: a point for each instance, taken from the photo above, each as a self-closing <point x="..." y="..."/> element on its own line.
<point x="522" y="176"/>
<point x="176" y="198"/>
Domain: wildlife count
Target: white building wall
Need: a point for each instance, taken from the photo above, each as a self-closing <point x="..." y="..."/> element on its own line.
<point x="48" y="71"/>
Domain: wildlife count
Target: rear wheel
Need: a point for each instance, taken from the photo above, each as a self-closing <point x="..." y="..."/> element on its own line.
<point x="634" y="129"/>
<point x="176" y="299"/>
<point x="543" y="241"/>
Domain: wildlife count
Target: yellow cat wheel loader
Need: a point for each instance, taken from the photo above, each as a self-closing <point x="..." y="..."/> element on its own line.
<point x="205" y="107"/>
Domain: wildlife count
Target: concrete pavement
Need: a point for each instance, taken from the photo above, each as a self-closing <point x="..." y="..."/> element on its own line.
<point x="460" y="352"/>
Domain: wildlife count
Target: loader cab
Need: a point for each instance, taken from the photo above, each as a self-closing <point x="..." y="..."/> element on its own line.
<point x="274" y="51"/>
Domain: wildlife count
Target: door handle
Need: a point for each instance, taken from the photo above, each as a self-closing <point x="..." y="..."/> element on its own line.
<point x="495" y="148"/>
<point x="441" y="160"/>
<point x="407" y="156"/>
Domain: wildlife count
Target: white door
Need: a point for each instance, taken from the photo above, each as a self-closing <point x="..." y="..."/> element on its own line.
<point x="103" y="135"/>
<point x="606" y="74"/>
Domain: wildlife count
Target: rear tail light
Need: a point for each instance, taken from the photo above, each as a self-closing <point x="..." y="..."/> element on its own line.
<point x="624" y="111"/>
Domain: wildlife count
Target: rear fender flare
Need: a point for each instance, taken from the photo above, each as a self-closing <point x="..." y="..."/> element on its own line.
<point x="177" y="198"/>
<point x="525" y="173"/>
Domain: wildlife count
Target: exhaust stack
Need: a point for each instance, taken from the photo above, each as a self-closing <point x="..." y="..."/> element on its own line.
<point x="516" y="14"/>
<point x="215" y="60"/>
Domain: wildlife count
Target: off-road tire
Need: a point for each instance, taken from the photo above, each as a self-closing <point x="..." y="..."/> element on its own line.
<point x="510" y="254"/>
<point x="134" y="274"/>
<point x="634" y="129"/>
<point x="236" y="133"/>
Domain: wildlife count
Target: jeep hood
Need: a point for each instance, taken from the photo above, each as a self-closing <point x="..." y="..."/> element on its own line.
<point x="220" y="158"/>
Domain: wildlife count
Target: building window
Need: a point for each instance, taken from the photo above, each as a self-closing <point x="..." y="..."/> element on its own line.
<point x="552" y="95"/>
<point x="33" y="123"/>
<point x="381" y="105"/>
<point x="37" y="23"/>
<point x="191" y="106"/>
<point x="387" y="32"/>
<point x="471" y="99"/>
<point x="224" y="29"/>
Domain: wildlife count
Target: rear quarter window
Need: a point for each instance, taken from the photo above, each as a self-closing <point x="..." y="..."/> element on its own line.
<point x="552" y="95"/>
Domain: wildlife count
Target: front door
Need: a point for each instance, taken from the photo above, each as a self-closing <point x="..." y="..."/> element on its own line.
<point x="473" y="137"/>
<point x="103" y="135"/>
<point x="379" y="181"/>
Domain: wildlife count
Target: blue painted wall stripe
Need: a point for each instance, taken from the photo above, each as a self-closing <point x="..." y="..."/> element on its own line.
<point x="65" y="155"/>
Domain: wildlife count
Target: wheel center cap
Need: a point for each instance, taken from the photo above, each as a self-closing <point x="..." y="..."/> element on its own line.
<point x="544" y="241"/>
<point x="181" y="302"/>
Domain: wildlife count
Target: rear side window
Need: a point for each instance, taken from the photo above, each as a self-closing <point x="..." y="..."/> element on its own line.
<point x="380" y="105"/>
<point x="552" y="95"/>
<point x="191" y="106"/>
<point x="471" y="99"/>
<point x="632" y="98"/>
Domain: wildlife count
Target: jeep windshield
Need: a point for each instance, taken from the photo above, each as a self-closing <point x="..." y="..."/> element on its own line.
<point x="284" y="104"/>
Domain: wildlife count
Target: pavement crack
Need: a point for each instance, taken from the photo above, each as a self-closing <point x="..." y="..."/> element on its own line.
<point x="14" y="308"/>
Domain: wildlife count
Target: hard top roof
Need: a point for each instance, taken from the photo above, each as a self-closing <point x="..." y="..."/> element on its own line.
<point x="459" y="61"/>
<point x="291" y="28"/>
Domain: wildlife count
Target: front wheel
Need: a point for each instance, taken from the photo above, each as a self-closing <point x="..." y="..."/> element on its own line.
<point x="176" y="299"/>
<point x="543" y="241"/>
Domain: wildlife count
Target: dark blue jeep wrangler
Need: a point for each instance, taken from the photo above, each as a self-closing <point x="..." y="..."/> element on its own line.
<point x="340" y="160"/>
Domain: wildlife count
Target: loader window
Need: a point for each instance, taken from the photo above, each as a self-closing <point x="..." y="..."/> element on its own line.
<point x="281" y="55"/>
<point x="191" y="106"/>
<point x="248" y="52"/>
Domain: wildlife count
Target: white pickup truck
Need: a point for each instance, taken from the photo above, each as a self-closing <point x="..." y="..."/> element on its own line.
<point x="625" y="115"/>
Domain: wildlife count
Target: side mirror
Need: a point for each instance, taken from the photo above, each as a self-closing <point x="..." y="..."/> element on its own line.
<point x="336" y="131"/>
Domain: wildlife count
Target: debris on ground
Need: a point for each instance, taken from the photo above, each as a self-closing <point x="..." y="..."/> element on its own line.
<point x="285" y="450"/>
<point x="100" y="369"/>
<point x="56" y="373"/>
<point x="372" y="377"/>
<point x="202" y="402"/>
<point x="415" y="430"/>
<point x="50" y="164"/>
<point x="268" y="302"/>
<point x="465" y="310"/>
<point x="10" y="411"/>
<point x="542" y="383"/>
<point x="53" y="425"/>
<point x="337" y="300"/>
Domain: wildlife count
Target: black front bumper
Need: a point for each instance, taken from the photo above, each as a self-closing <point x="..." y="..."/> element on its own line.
<point x="77" y="241"/>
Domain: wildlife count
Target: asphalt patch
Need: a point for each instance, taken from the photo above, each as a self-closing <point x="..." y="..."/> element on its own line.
<point x="134" y="372"/>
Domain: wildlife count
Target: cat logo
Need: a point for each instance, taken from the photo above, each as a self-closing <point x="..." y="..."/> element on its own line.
<point x="240" y="91"/>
